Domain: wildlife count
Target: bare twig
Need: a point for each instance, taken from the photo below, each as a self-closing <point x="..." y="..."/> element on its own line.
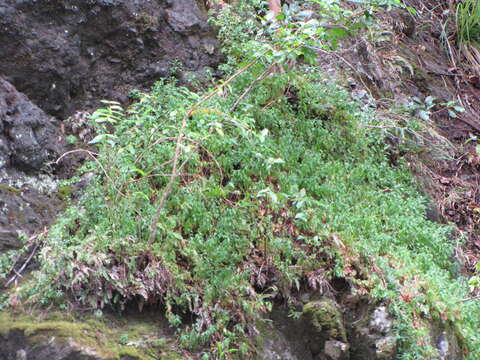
<point x="93" y="156"/>
<point x="91" y="153"/>
<point x="254" y="82"/>
<point x="22" y="268"/>
<point x="469" y="299"/>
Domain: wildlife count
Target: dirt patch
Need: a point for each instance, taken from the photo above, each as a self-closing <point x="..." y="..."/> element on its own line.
<point x="444" y="73"/>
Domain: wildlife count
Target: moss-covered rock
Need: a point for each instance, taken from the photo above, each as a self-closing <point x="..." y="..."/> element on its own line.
<point x="326" y="318"/>
<point x="60" y="336"/>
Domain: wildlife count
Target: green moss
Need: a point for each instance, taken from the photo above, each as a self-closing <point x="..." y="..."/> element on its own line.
<point x="64" y="192"/>
<point x="326" y="317"/>
<point x="102" y="337"/>
<point x="10" y="189"/>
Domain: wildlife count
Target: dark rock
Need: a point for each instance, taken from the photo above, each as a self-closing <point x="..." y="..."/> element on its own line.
<point x="28" y="138"/>
<point x="284" y="337"/>
<point x="66" y="55"/>
<point x="25" y="208"/>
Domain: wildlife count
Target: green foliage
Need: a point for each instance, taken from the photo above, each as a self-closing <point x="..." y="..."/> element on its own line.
<point x="274" y="196"/>
<point x="468" y="21"/>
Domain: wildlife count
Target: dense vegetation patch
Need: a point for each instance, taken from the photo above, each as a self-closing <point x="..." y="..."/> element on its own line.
<point x="213" y="207"/>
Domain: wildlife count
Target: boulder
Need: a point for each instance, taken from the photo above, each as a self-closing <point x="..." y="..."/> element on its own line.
<point x="326" y="317"/>
<point x="28" y="136"/>
<point x="62" y="336"/>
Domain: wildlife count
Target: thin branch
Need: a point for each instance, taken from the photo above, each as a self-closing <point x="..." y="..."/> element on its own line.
<point x="25" y="264"/>
<point x="254" y="82"/>
<point x="469" y="299"/>
<point x="176" y="156"/>
<point x="93" y="156"/>
<point x="91" y="153"/>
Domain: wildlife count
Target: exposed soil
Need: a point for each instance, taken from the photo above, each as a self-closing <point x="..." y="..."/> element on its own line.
<point x="446" y="74"/>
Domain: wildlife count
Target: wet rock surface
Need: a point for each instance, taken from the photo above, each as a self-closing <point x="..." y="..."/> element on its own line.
<point x="66" y="55"/>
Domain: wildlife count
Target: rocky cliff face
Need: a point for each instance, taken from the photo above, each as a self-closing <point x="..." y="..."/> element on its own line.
<point x="66" y="55"/>
<point x="29" y="144"/>
<point x="28" y="137"/>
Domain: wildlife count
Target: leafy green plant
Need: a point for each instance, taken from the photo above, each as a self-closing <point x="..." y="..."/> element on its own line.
<point x="468" y="21"/>
<point x="123" y="339"/>
<point x="268" y="185"/>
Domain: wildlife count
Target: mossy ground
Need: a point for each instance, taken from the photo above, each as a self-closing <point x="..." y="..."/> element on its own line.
<point x="112" y="337"/>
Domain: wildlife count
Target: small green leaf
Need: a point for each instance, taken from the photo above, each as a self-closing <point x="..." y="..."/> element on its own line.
<point x="338" y="33"/>
<point x="139" y="171"/>
<point x="424" y="115"/>
<point x="452" y="114"/>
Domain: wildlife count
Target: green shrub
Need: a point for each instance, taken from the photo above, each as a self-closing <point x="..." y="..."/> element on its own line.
<point x="275" y="195"/>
